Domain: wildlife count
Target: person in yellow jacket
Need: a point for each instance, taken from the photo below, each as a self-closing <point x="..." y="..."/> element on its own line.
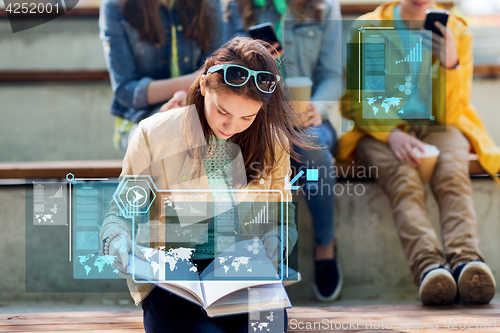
<point x="457" y="269"/>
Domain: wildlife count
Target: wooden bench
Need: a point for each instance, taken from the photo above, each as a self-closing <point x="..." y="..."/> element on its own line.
<point x="346" y="169"/>
<point x="112" y="169"/>
<point x="91" y="10"/>
<point x="416" y="318"/>
<point x="46" y="170"/>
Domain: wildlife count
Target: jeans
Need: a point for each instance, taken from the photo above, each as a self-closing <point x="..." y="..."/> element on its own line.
<point x="167" y="312"/>
<point x="319" y="195"/>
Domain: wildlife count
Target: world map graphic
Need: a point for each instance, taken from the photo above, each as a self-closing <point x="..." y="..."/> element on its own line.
<point x="379" y="102"/>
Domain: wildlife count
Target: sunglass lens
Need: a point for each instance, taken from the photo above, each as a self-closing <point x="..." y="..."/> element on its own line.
<point x="236" y="76"/>
<point x="266" y="82"/>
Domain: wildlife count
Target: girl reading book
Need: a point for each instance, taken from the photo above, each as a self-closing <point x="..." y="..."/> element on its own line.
<point x="237" y="101"/>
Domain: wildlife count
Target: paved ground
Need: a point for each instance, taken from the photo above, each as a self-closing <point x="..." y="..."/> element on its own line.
<point x="410" y="318"/>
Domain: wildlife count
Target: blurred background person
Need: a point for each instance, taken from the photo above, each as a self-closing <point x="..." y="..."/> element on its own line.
<point x="309" y="32"/>
<point x="152" y="50"/>
<point x="453" y="268"/>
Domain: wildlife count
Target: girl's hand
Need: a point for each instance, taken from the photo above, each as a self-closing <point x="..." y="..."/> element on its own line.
<point x="444" y="47"/>
<point x="402" y="145"/>
<point x="272" y="246"/>
<point x="120" y="247"/>
<point x="178" y="100"/>
<point x="312" y="117"/>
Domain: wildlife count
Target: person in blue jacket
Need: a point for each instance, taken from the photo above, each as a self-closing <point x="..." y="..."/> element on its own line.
<point x="153" y="49"/>
<point x="310" y="33"/>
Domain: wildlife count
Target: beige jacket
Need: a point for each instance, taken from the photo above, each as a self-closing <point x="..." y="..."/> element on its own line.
<point x="158" y="149"/>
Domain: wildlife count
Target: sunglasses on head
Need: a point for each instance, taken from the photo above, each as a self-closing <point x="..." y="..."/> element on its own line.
<point x="237" y="76"/>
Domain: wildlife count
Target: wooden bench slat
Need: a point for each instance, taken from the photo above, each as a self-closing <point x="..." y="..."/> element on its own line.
<point x="102" y="75"/>
<point x="493" y="308"/>
<point x="81" y="169"/>
<point x="76" y="314"/>
<point x="69" y="320"/>
<point x="74" y="75"/>
<point x="123" y="330"/>
<point x="70" y="327"/>
<point x="112" y="168"/>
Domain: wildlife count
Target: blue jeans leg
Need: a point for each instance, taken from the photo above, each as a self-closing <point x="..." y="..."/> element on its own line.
<point x="319" y="195"/>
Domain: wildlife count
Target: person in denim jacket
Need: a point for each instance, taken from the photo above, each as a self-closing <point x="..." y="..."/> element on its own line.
<point x="151" y="62"/>
<point x="310" y="33"/>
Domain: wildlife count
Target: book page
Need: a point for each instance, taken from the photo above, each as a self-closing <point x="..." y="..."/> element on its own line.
<point x="243" y="261"/>
<point x="215" y="290"/>
<point x="164" y="266"/>
<point x="253" y="299"/>
<point x="190" y="290"/>
<point x="244" y="264"/>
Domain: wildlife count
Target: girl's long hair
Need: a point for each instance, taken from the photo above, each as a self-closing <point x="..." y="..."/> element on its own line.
<point x="276" y="126"/>
<point x="304" y="9"/>
<point x="195" y="15"/>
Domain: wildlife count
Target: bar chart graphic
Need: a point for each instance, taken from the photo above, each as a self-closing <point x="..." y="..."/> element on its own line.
<point x="50" y="204"/>
<point x="412" y="59"/>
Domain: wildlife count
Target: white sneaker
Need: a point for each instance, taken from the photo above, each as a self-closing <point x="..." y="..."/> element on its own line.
<point x="476" y="283"/>
<point x="437" y="288"/>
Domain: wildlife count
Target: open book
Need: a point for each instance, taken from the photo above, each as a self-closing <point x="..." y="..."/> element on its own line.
<point x="241" y="279"/>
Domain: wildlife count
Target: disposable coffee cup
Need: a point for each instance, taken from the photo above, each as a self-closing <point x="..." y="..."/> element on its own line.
<point x="428" y="161"/>
<point x="300" y="92"/>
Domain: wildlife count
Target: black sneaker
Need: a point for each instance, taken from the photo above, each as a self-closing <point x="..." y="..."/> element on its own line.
<point x="475" y="282"/>
<point x="438" y="287"/>
<point x="327" y="280"/>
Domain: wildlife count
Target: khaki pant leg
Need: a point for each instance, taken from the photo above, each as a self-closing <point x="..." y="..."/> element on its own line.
<point x="453" y="191"/>
<point x="406" y="193"/>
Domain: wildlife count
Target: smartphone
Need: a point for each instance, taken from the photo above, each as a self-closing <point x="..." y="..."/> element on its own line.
<point x="265" y="32"/>
<point x="433" y="15"/>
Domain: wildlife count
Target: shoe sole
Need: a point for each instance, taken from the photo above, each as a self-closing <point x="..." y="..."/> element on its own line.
<point x="336" y="292"/>
<point x="476" y="283"/>
<point x="438" y="288"/>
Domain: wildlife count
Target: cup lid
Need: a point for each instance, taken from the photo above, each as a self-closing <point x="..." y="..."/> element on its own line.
<point x="429" y="151"/>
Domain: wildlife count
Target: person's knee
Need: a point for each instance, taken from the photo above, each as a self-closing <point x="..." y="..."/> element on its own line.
<point x="451" y="174"/>
<point x="317" y="142"/>
<point x="322" y="136"/>
<point x="403" y="180"/>
<point x="406" y="174"/>
<point x="320" y="156"/>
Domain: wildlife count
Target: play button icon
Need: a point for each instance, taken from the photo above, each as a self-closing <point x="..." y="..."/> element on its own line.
<point x="136" y="196"/>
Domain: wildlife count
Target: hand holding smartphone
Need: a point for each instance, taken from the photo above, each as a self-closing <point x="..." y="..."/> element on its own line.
<point x="433" y="15"/>
<point x="443" y="43"/>
<point x="265" y="32"/>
